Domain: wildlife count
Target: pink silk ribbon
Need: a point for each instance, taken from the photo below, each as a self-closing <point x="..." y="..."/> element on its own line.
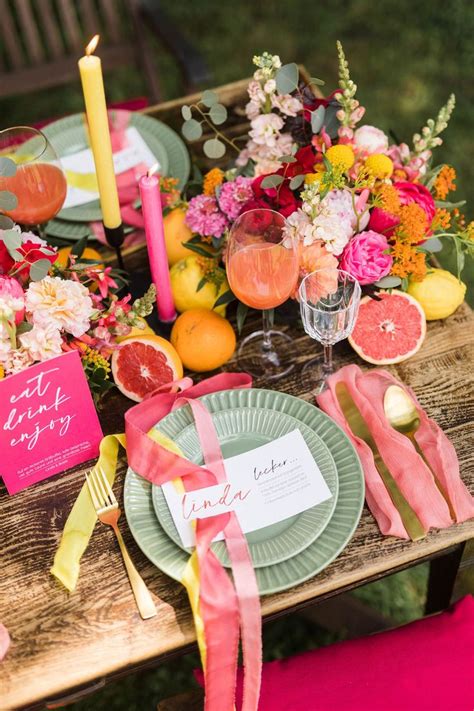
<point x="220" y="602"/>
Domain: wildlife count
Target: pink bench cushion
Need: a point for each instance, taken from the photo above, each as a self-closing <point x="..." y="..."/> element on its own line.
<point x="427" y="665"/>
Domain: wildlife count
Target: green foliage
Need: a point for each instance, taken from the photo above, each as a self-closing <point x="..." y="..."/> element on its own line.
<point x="287" y="78"/>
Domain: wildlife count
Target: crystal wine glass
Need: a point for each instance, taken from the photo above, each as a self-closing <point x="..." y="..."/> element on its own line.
<point x="39" y="183"/>
<point x="262" y="268"/>
<point x="329" y="302"/>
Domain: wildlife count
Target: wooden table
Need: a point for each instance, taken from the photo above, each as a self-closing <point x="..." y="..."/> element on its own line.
<point x="62" y="641"/>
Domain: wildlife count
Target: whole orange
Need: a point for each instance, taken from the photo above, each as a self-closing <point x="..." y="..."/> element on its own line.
<point x="88" y="253"/>
<point x="203" y="339"/>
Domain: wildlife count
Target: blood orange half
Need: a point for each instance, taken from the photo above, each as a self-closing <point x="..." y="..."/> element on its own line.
<point x="389" y="330"/>
<point x="143" y="363"/>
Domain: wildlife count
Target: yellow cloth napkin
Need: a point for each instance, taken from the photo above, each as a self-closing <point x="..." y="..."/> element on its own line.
<point x="82" y="519"/>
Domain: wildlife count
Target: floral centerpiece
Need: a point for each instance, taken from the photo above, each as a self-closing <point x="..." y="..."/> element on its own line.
<point x="47" y="308"/>
<point x="351" y="197"/>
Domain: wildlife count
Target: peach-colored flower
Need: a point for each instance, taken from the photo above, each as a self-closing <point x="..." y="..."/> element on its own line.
<point x="66" y="305"/>
<point x="314" y="257"/>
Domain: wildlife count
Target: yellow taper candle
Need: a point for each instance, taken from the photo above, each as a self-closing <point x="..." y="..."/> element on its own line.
<point x="96" y="110"/>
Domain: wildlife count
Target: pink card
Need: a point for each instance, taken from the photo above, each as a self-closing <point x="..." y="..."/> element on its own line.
<point x="48" y="421"/>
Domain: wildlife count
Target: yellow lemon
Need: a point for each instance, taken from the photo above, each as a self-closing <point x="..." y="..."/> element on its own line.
<point x="341" y="155"/>
<point x="380" y="166"/>
<point x="440" y="293"/>
<point x="145" y="331"/>
<point x="187" y="274"/>
<point x="176" y="232"/>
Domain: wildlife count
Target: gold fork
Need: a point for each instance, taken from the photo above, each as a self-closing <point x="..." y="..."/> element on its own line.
<point x="108" y="512"/>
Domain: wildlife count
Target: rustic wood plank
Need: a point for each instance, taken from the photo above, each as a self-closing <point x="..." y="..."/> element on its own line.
<point x="70" y="24"/>
<point x="29" y="31"/>
<point x="61" y="641"/>
<point x="53" y="42"/>
<point x="9" y="35"/>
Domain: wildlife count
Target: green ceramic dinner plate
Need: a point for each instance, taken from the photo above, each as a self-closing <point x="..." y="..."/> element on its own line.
<point x="240" y="430"/>
<point x="68" y="135"/>
<point x="171" y="559"/>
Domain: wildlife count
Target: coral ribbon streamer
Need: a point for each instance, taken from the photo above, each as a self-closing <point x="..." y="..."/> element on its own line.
<point x="219" y="603"/>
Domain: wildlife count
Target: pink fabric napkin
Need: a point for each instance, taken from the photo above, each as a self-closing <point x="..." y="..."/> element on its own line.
<point x="4" y="641"/>
<point x="413" y="477"/>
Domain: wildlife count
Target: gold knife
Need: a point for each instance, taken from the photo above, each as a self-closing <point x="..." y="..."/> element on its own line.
<point x="359" y="428"/>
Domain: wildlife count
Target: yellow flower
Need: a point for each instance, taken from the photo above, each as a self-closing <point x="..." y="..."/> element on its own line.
<point x="311" y="178"/>
<point x="379" y="165"/>
<point x="341" y="155"/>
<point x="212" y="180"/>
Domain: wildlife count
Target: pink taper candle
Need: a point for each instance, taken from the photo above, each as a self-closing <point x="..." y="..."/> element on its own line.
<point x="155" y="239"/>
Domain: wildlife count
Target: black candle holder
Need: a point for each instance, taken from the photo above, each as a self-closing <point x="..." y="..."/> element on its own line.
<point x="115" y="237"/>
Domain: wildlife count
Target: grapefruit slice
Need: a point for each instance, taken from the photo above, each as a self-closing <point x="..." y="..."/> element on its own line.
<point x="390" y="330"/>
<point x="143" y="363"/>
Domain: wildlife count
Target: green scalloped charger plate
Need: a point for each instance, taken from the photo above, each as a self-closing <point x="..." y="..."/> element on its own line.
<point x="171" y="559"/>
<point x="242" y="429"/>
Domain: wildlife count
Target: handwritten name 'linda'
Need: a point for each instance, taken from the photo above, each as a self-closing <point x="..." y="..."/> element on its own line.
<point x="191" y="506"/>
<point x="44" y="414"/>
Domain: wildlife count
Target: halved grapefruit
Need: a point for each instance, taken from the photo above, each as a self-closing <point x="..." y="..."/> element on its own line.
<point x="390" y="330"/>
<point x="143" y="363"/>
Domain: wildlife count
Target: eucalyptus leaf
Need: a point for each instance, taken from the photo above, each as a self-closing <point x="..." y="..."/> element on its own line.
<point x="272" y="181"/>
<point x="23" y="327"/>
<point x="79" y="247"/>
<point x="209" y="98"/>
<point x="287" y="159"/>
<point x="192" y="130"/>
<point x="8" y="200"/>
<point x="214" y="148"/>
<point x="433" y="245"/>
<point x="388" y="282"/>
<point x="286" y="78"/>
<point x="14" y="254"/>
<point x="6" y="223"/>
<point x="12" y="239"/>
<point x="224" y="298"/>
<point x="449" y="205"/>
<point x="198" y="249"/>
<point x="218" y="114"/>
<point x="201" y="284"/>
<point x="296" y="182"/>
<point x="39" y="269"/>
<point x="186" y="112"/>
<point x="242" y="311"/>
<point x="331" y="122"/>
<point x="318" y="82"/>
<point x="317" y="119"/>
<point x="7" y="168"/>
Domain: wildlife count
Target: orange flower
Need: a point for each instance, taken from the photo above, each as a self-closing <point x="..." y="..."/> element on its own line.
<point x="442" y="219"/>
<point x="413" y="223"/>
<point x="390" y="201"/>
<point x="212" y="180"/>
<point x="444" y="182"/>
<point x="313" y="257"/>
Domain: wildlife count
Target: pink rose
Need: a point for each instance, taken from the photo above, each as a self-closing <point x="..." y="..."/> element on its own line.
<point x="365" y="257"/>
<point x="369" y="140"/>
<point x="11" y="290"/>
<point x="415" y="192"/>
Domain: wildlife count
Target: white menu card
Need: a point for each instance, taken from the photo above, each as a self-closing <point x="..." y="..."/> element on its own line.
<point x="264" y="486"/>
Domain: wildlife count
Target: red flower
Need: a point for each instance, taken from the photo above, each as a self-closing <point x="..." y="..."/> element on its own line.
<point x="281" y="199"/>
<point x="382" y="222"/>
<point x="6" y="262"/>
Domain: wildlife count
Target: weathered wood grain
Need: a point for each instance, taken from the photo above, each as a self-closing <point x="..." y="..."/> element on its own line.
<point x="60" y="641"/>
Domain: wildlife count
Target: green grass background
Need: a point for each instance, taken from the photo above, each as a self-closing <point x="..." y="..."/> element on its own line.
<point x="406" y="58"/>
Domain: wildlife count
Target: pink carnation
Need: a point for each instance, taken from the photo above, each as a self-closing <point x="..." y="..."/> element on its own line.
<point x="204" y="217"/>
<point x="233" y="195"/>
<point x="365" y="257"/>
<point x="12" y="293"/>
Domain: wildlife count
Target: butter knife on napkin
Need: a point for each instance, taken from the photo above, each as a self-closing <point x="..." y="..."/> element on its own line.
<point x="359" y="428"/>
